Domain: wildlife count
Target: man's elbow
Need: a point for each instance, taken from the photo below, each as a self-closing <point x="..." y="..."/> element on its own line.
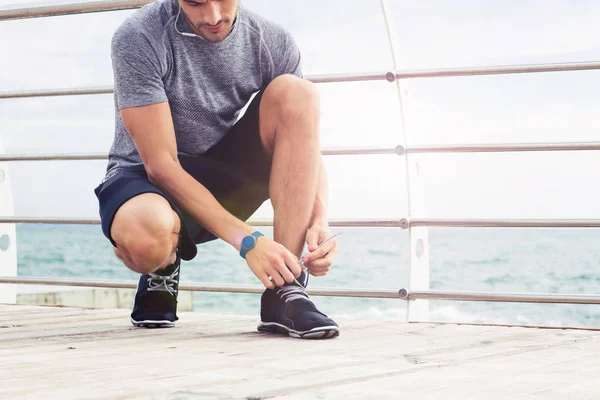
<point x="160" y="171"/>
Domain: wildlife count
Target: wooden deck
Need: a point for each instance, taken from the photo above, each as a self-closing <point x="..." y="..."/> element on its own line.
<point x="69" y="353"/>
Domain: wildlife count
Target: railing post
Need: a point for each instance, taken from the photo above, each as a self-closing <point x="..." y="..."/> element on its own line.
<point x="8" y="235"/>
<point x="417" y="310"/>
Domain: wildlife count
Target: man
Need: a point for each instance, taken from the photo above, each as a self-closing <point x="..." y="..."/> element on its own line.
<point x="182" y="171"/>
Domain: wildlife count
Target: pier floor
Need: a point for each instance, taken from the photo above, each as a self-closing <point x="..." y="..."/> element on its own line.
<point x="72" y="353"/>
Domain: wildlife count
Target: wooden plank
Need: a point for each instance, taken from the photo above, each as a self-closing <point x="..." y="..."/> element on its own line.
<point x="447" y="381"/>
<point x="212" y="356"/>
<point x="37" y="318"/>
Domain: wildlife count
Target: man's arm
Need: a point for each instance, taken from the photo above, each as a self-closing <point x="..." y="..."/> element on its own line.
<point x="151" y="128"/>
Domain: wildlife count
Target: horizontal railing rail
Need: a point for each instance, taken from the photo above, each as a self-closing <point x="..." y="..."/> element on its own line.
<point x="389" y="223"/>
<point x="398" y="150"/>
<point x="505" y="223"/>
<point x="355" y="223"/>
<point x="104" y="156"/>
<point x="7" y="14"/>
<point x="501" y="297"/>
<point x="401" y="294"/>
<point x="500" y="148"/>
<point x="498" y="70"/>
<point x="197" y="286"/>
<point x="56" y="92"/>
<point x="322" y="78"/>
<point x="354" y="77"/>
<point x="54" y="157"/>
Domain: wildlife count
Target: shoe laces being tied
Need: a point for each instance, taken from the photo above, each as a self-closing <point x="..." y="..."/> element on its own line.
<point x="163" y="283"/>
<point x="297" y="290"/>
<point x="292" y="292"/>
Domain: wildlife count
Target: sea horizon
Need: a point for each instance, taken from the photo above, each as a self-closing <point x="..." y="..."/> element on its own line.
<point x="528" y="260"/>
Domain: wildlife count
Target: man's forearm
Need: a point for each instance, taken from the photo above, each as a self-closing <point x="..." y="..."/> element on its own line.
<point x="199" y="202"/>
<point x="319" y="214"/>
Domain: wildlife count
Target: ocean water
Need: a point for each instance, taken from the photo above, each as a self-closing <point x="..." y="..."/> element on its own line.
<point x="475" y="259"/>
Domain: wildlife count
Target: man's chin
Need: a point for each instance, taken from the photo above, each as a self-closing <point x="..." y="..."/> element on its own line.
<point x="214" y="39"/>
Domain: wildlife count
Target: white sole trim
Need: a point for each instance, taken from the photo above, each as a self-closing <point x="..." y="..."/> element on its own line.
<point x="148" y="323"/>
<point x="322" y="332"/>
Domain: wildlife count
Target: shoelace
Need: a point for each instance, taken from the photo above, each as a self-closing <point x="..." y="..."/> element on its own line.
<point x="289" y="293"/>
<point x="301" y="260"/>
<point x="163" y="283"/>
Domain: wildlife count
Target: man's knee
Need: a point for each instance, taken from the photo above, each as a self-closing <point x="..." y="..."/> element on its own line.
<point x="146" y="229"/>
<point x="293" y="97"/>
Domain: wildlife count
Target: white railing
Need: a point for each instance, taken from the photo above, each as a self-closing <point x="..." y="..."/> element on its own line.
<point x="365" y="223"/>
<point x="8" y="234"/>
<point x="418" y="292"/>
<point x="356" y="223"/>
<point x="398" y="150"/>
<point x="70" y="9"/>
<point x="104" y="156"/>
<point x="357" y="77"/>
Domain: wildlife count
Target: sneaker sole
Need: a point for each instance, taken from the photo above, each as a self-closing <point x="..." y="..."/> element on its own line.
<point x="153" y="324"/>
<point x="323" y="332"/>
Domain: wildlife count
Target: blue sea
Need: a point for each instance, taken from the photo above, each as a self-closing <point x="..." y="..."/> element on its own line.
<point x="476" y="259"/>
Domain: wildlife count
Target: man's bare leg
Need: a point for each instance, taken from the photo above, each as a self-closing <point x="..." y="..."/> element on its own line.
<point x="289" y="129"/>
<point x="289" y="122"/>
<point x="146" y="230"/>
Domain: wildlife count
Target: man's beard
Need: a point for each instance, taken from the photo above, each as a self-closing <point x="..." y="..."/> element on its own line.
<point x="210" y="39"/>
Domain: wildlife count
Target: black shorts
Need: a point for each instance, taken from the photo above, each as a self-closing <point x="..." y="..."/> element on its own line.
<point x="236" y="171"/>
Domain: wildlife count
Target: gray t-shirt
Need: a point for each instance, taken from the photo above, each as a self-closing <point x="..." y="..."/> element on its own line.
<point x="206" y="83"/>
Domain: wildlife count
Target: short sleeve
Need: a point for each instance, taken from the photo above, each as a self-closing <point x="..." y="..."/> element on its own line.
<point x="286" y="56"/>
<point x="137" y="69"/>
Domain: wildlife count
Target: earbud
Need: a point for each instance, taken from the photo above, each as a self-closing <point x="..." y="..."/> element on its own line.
<point x="177" y="30"/>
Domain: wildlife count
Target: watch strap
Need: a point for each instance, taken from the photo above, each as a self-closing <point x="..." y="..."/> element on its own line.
<point x="255" y="235"/>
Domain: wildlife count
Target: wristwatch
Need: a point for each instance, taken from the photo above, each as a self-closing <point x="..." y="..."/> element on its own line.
<point x="249" y="242"/>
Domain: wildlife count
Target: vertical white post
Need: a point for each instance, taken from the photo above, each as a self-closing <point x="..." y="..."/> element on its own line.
<point x="417" y="310"/>
<point x="8" y="235"/>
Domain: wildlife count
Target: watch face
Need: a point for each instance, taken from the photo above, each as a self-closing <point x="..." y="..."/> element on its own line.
<point x="248" y="242"/>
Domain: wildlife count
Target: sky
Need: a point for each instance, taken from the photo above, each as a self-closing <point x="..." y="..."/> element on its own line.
<point x="338" y="36"/>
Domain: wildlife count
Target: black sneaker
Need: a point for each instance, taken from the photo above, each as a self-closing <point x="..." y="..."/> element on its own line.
<point x="288" y="310"/>
<point x="155" y="303"/>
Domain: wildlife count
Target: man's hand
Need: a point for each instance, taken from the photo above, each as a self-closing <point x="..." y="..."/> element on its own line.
<point x="320" y="259"/>
<point x="270" y="259"/>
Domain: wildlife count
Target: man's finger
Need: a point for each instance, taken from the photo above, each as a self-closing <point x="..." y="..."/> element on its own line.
<point x="319" y="264"/>
<point x="329" y="257"/>
<point x="285" y="272"/>
<point x="276" y="277"/>
<point x="333" y="253"/>
<point x="312" y="238"/>
<point x="323" y="236"/>
<point x="320" y="269"/>
<point x="321" y="251"/>
<point x="292" y="264"/>
<point x="266" y="282"/>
